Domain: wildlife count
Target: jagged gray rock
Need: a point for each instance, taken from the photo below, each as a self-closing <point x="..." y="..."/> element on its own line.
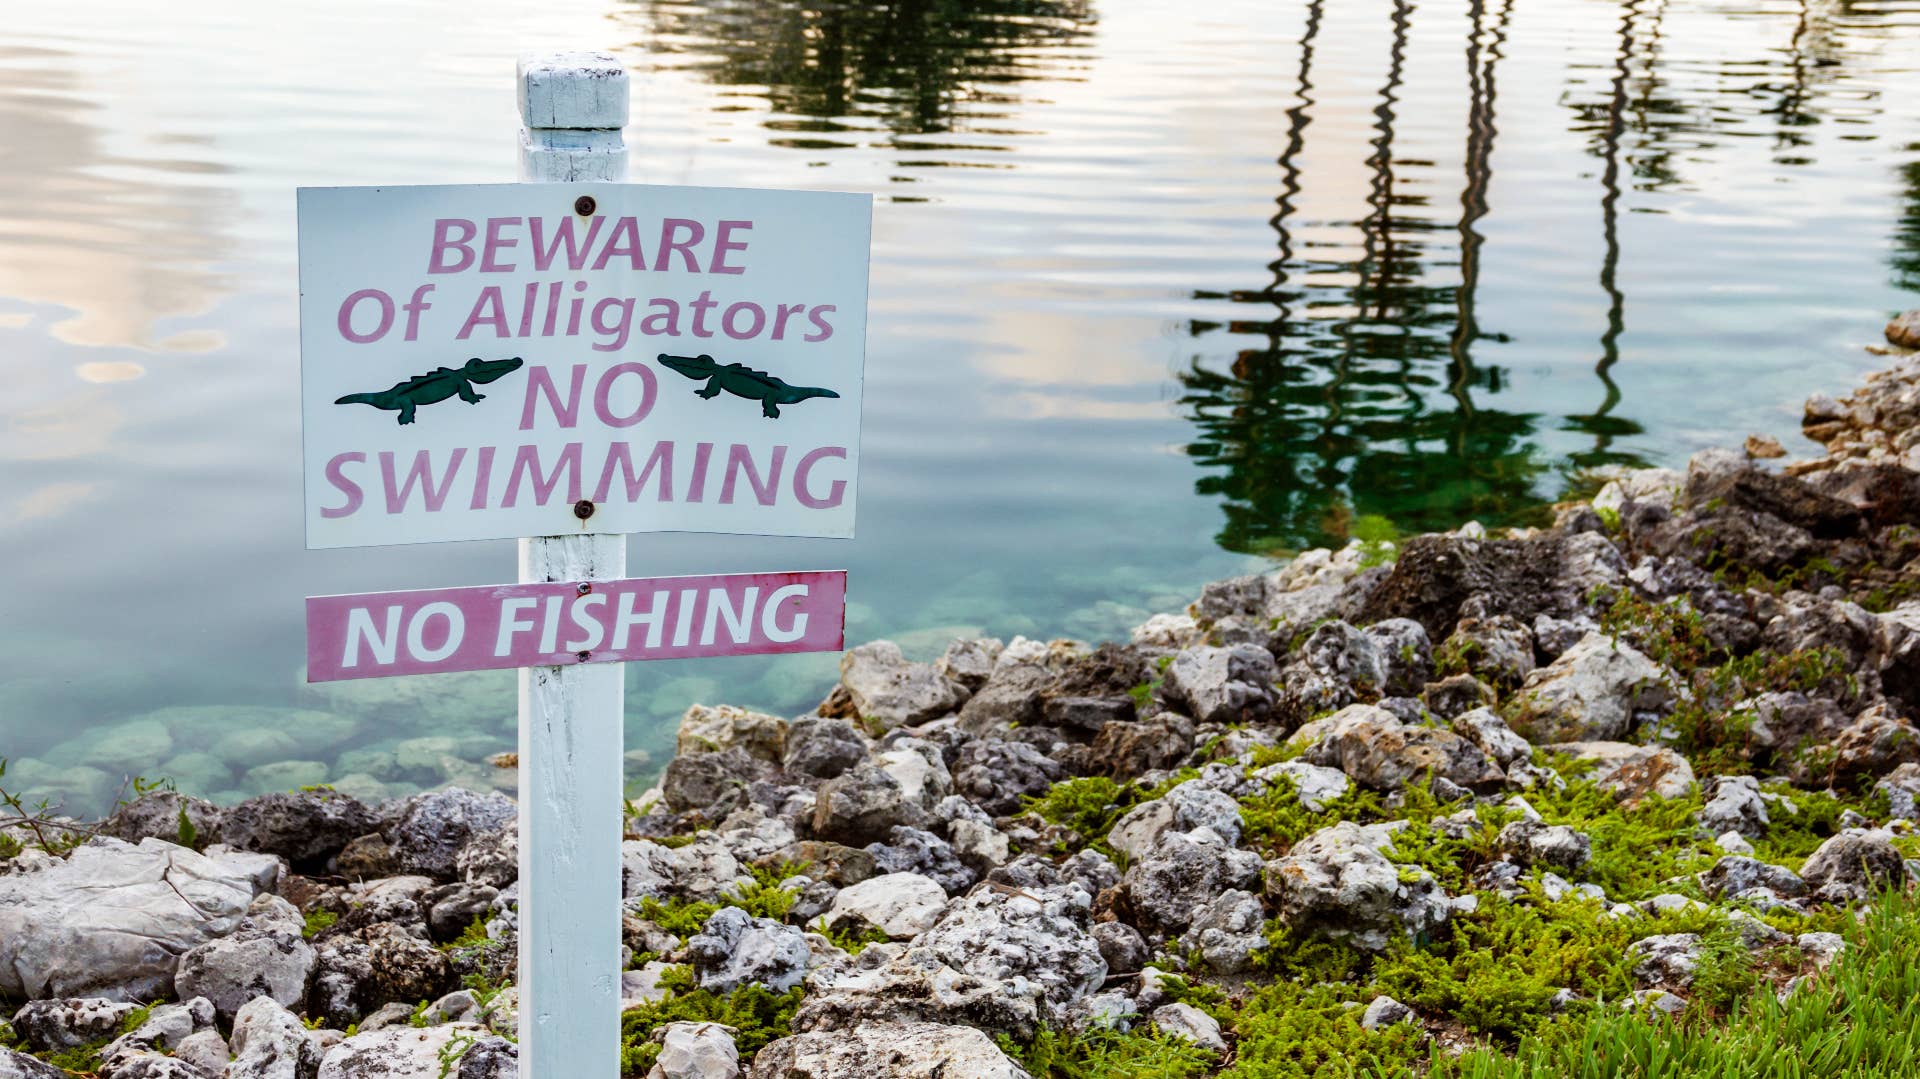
<point x="1182" y="809"/>
<point x="304" y="827"/>
<point x="1853" y="866"/>
<point x="1223" y="685"/>
<point x="901" y="905"/>
<point x="1167" y="885"/>
<point x="888" y="691"/>
<point x="1337" y="882"/>
<point x="270" y="1042"/>
<point x="695" y="1051"/>
<point x="1591" y="692"/>
<point x="1376" y="749"/>
<point x="1669" y="959"/>
<point x="1734" y="804"/>
<point x="266" y="957"/>
<point x="1227" y="931"/>
<point x="432" y="828"/>
<point x="735" y="949"/>
<point x="397" y="1052"/>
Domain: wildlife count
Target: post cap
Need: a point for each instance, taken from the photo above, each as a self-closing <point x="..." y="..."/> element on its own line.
<point x="573" y="90"/>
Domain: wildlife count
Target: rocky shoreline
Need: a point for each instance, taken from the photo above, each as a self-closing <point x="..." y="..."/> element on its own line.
<point x="1445" y="806"/>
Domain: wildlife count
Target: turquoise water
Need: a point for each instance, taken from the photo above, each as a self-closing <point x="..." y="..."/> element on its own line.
<point x="1159" y="290"/>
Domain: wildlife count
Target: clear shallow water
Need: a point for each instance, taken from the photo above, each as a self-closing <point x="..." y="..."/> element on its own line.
<point x="1158" y="289"/>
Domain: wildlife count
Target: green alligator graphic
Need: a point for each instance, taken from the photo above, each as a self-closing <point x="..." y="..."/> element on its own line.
<point x="742" y="381"/>
<point x="436" y="385"/>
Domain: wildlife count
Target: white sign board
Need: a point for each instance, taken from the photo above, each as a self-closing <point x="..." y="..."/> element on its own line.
<point x="482" y="361"/>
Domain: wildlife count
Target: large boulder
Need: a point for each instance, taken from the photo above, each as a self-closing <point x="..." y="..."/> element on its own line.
<point x="60" y="938"/>
<point x="432" y="828"/>
<point x="1338" y="883"/>
<point x="888" y="691"/>
<point x="1377" y="750"/>
<point x="896" y="1050"/>
<point x="1435" y="576"/>
<point x="1591" y="692"/>
<point x="304" y="827"/>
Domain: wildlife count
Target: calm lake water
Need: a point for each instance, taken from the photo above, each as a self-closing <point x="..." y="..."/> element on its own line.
<point x="1159" y="290"/>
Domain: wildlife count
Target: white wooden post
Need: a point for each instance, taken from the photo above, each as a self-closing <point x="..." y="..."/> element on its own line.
<point x="573" y="106"/>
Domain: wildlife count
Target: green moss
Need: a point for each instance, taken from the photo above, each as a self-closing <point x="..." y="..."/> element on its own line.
<point x="1635" y="851"/>
<point x="1293" y="1031"/>
<point x="853" y="942"/>
<point x="757" y="1014"/>
<point x="318" y="921"/>
<point x="672" y="842"/>
<point x="473" y="936"/>
<point x="1861" y="1019"/>
<point x="1091" y="805"/>
<point x="764" y="898"/>
<point x="1791" y="836"/>
<point x="1109" y="1054"/>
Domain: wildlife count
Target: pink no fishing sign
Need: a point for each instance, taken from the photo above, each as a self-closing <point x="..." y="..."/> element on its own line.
<point x="431" y="631"/>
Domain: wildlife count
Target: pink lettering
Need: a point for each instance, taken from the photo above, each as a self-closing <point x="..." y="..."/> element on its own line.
<point x="446" y="245"/>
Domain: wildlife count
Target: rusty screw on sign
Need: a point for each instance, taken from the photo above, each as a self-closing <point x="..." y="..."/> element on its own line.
<point x="584" y="205"/>
<point x="583" y="509"/>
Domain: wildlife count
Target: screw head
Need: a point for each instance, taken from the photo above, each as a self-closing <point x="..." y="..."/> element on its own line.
<point x="584" y="205"/>
<point x="583" y="509"/>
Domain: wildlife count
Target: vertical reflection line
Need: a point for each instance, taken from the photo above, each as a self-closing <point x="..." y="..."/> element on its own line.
<point x="1376" y="229"/>
<point x="1481" y="129"/>
<point x="1298" y="117"/>
<point x="1610" y="222"/>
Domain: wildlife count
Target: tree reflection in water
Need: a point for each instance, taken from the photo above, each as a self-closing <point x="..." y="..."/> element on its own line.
<point x="907" y="62"/>
<point x="1374" y="414"/>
